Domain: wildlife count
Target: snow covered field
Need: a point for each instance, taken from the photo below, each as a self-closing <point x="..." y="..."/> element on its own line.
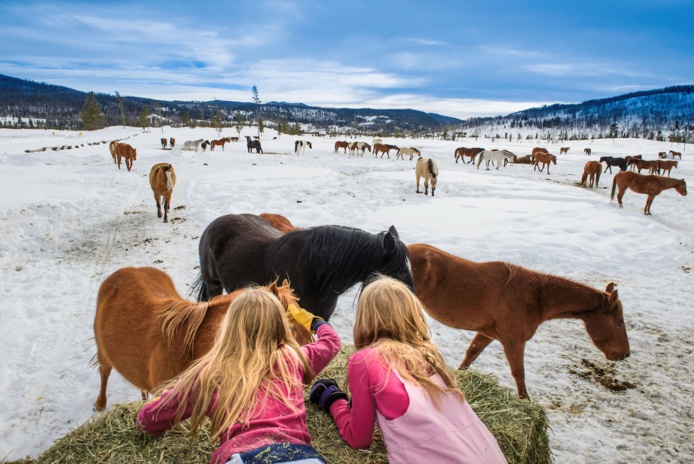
<point x="70" y="218"/>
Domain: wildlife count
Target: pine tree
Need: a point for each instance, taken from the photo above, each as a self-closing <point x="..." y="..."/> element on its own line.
<point x="256" y="100"/>
<point x="91" y="113"/>
<point x="121" y="108"/>
<point x="144" y="118"/>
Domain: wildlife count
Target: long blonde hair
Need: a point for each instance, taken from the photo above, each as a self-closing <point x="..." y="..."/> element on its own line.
<point x="390" y="320"/>
<point x="254" y="352"/>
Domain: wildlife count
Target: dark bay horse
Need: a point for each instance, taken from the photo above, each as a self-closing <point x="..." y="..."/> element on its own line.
<point x="149" y="333"/>
<point x="253" y="145"/>
<point x="341" y="144"/>
<point x="504" y="302"/>
<point x="610" y="161"/>
<point x="631" y="161"/>
<point x="649" y="185"/>
<point x="471" y="153"/>
<point x="321" y="262"/>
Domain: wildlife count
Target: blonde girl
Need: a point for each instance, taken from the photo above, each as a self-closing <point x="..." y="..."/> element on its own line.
<point x="399" y="381"/>
<point x="250" y="384"/>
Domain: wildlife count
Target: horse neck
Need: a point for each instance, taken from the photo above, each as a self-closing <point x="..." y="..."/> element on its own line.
<point x="563" y="298"/>
<point x="668" y="183"/>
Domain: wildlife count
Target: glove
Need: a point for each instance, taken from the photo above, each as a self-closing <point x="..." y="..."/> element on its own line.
<point x="324" y="393"/>
<point x="300" y="316"/>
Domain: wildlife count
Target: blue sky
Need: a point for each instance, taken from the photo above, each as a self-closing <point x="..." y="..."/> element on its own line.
<point x="458" y="58"/>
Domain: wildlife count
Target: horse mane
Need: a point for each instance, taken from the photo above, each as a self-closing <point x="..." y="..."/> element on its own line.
<point x="179" y="313"/>
<point x="512" y="271"/>
<point x="339" y="256"/>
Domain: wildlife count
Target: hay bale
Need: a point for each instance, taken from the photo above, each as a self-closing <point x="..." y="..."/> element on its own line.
<point x="520" y="427"/>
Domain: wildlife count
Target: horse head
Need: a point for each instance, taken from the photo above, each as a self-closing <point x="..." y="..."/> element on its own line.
<point x="396" y="260"/>
<point x="605" y="325"/>
<point x="134" y="153"/>
<point x="681" y="187"/>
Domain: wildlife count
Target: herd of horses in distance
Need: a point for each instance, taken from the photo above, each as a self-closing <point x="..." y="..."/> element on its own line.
<point x="149" y="333"/>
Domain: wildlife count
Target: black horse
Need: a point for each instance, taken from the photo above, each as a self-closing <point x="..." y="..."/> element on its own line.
<point x="253" y="144"/>
<point x="321" y="262"/>
<point x="621" y="163"/>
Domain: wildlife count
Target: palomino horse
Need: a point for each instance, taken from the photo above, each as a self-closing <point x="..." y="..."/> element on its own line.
<point x="592" y="169"/>
<point x="253" y="144"/>
<point x="279" y="222"/>
<point x="192" y="144"/>
<point x="127" y="152"/>
<point x="341" y="144"/>
<point x="162" y="179"/>
<point x="321" y="262"/>
<point x="300" y="146"/>
<point x="587" y="151"/>
<point x="610" y="161"/>
<point x="498" y="156"/>
<point x="359" y="147"/>
<point x="504" y="302"/>
<point x="564" y="150"/>
<point x="114" y="154"/>
<point x="407" y="151"/>
<point x="150" y="334"/>
<point x="648" y="185"/>
<point x="471" y="153"/>
<point x="631" y="161"/>
<point x="164" y="142"/>
<point x="675" y="154"/>
<point x="384" y="149"/>
<point x="219" y="143"/>
<point x="427" y="168"/>
<point x="375" y="141"/>
<point x="652" y="166"/>
<point x="546" y="159"/>
<point x="666" y="166"/>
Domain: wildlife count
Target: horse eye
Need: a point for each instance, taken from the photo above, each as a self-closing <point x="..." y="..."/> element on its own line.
<point x="619" y="323"/>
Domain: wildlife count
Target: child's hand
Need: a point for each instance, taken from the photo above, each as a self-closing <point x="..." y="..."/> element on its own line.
<point x="324" y="393"/>
<point x="302" y="317"/>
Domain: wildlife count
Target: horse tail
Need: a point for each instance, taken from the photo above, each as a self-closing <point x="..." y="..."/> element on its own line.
<point x="199" y="286"/>
<point x="296" y="146"/>
<point x="455" y="155"/>
<point x="479" y="159"/>
<point x="614" y="186"/>
<point x="430" y="165"/>
<point x="178" y="313"/>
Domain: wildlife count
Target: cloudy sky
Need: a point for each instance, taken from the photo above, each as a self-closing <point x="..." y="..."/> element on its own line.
<point x="458" y="58"/>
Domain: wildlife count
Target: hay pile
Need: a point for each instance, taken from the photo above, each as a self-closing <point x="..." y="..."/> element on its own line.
<point x="519" y="426"/>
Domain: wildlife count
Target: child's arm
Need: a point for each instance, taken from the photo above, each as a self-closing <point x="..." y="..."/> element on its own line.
<point x="159" y="414"/>
<point x="323" y="350"/>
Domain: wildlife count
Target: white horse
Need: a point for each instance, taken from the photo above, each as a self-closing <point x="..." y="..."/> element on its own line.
<point x="192" y="144"/>
<point x="300" y="146"/>
<point x="498" y="156"/>
<point x="359" y="147"/>
<point x="407" y="151"/>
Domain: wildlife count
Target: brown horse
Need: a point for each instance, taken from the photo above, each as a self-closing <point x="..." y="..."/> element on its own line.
<point x="504" y="302"/>
<point x="546" y="159"/>
<point x="219" y="143"/>
<point x="234" y="139"/>
<point x="279" y="222"/>
<point x="112" y="148"/>
<point x="341" y="144"/>
<point x="648" y="185"/>
<point x="164" y="142"/>
<point x="162" y="179"/>
<point x="527" y="159"/>
<point x="662" y="154"/>
<point x="564" y="150"/>
<point x="150" y="334"/>
<point x="675" y="154"/>
<point x="631" y="161"/>
<point x="127" y="152"/>
<point x="426" y="168"/>
<point x="471" y="153"/>
<point x="384" y="149"/>
<point x="537" y="150"/>
<point x="587" y="151"/>
<point x="592" y="169"/>
<point x="666" y="166"/>
<point x="651" y="165"/>
<point x="172" y="142"/>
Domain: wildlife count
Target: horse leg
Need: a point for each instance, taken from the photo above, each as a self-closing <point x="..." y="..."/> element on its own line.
<point x="647" y="209"/>
<point x="548" y="167"/>
<point x="426" y="186"/>
<point x="477" y="345"/>
<point x="167" y="199"/>
<point x="417" y="175"/>
<point x="105" y="371"/>
<point x="514" y="355"/>
<point x="620" y="194"/>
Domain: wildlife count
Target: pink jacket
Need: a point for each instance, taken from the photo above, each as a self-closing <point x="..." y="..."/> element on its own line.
<point x="413" y="429"/>
<point x="271" y="422"/>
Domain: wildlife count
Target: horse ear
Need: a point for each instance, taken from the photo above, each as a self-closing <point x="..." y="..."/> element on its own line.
<point x="389" y="241"/>
<point x="273" y="288"/>
<point x="614" y="296"/>
<point x="393" y="232"/>
<point x="610" y="287"/>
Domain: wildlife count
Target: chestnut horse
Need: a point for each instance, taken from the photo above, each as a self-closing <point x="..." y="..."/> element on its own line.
<point x="162" y="179"/>
<point x="675" y="154"/>
<point x="164" y="142"/>
<point x="587" y="151"/>
<point x="279" y="222"/>
<point x="150" y="334"/>
<point x="341" y="144"/>
<point x="384" y="149"/>
<point x="592" y="169"/>
<point x="127" y="152"/>
<point x="504" y="302"/>
<point x="172" y="142"/>
<point x="564" y="150"/>
<point x="651" y="165"/>
<point x="648" y="185"/>
<point x="546" y="159"/>
<point x="631" y="161"/>
<point x="219" y="143"/>
<point x="537" y="150"/>
<point x="471" y="153"/>
<point x="427" y="169"/>
<point x="112" y="148"/>
<point x="666" y="166"/>
<point x="524" y="160"/>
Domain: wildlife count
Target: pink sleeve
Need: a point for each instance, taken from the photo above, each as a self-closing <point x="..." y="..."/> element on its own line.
<point x="323" y="350"/>
<point x="156" y="417"/>
<point x="373" y="387"/>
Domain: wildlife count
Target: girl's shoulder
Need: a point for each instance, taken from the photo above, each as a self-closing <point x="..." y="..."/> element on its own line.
<point x="369" y="356"/>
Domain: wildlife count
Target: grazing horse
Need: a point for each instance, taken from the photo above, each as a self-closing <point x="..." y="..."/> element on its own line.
<point x="253" y="144"/>
<point x="114" y="154"/>
<point x="279" y="222"/>
<point x="498" y="156"/>
<point x="384" y="149"/>
<point x="127" y="152"/>
<point x="427" y="168"/>
<point x="407" y="151"/>
<point x="546" y="159"/>
<point x="321" y="262"/>
<point x="192" y="144"/>
<point x="675" y="154"/>
<point x="631" y="161"/>
<point x="162" y="179"/>
<point x="610" y="161"/>
<point x="471" y="153"/>
<point x="648" y="185"/>
<point x="666" y="166"/>
<point x="219" y="143"/>
<point x="359" y="147"/>
<point x="651" y="165"/>
<point x="504" y="302"/>
<point x="164" y="142"/>
<point x="172" y="142"/>
<point x="564" y="150"/>
<point x="341" y="144"/>
<point x="300" y="146"/>
<point x="587" y="151"/>
<point x="150" y="334"/>
<point x="592" y="169"/>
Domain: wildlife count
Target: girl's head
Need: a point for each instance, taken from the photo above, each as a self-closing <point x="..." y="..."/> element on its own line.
<point x="390" y="320"/>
